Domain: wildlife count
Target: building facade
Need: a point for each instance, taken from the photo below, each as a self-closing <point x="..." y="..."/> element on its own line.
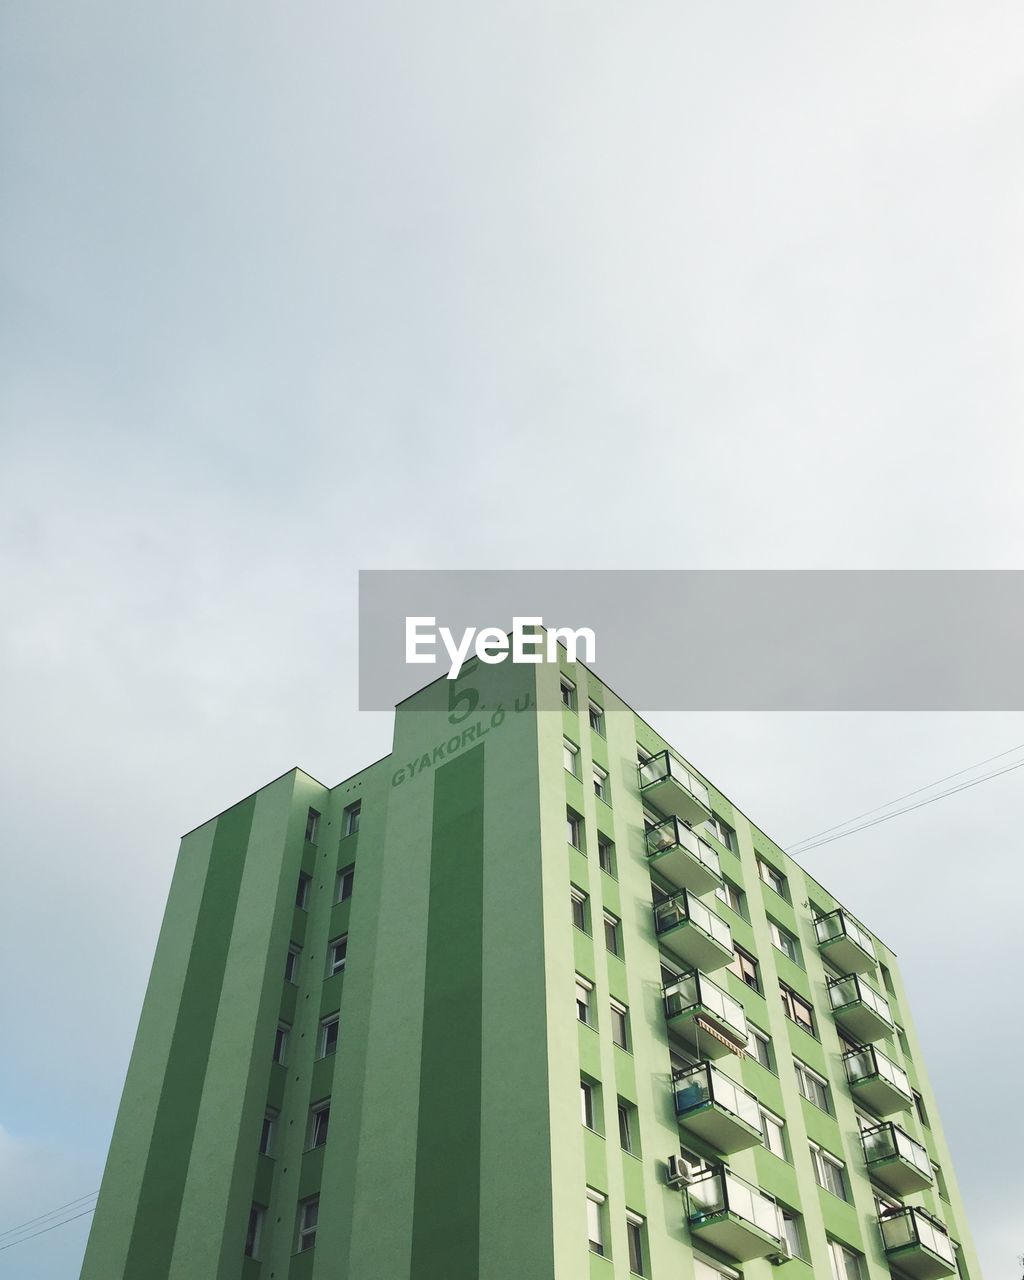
<point x="528" y="999"/>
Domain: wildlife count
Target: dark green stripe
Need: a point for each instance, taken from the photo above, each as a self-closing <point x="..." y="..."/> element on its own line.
<point x="163" y="1183"/>
<point x="446" y="1212"/>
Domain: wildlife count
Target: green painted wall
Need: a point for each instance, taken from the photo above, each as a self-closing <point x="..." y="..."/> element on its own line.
<point x="456" y="1147"/>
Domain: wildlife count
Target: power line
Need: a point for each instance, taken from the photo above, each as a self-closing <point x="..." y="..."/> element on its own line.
<point x="59" y="1209"/>
<point x="964" y="786"/>
<point x="795" y="847"/>
<point x="52" y="1227"/>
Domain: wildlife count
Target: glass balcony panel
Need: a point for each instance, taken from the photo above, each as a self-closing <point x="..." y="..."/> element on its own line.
<point x="674" y="787"/>
<point x="735" y="1098"/>
<point x="911" y="1151"/>
<point x="746" y="1202"/>
<point x="707" y="1194"/>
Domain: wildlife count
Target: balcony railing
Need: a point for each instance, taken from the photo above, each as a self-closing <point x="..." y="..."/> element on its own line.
<point x="877" y="1079"/>
<point x="895" y="1159"/>
<point x="845" y="942"/>
<point x="859" y="1008"/>
<point x="694" y="999"/>
<point x="717" y="1109"/>
<point x="918" y="1243"/>
<point x="683" y="857"/>
<point x="734" y="1216"/>
<point x="673" y="788"/>
<point x="692" y="931"/>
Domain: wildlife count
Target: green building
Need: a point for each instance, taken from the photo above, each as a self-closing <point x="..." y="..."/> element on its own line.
<point x="528" y="999"/>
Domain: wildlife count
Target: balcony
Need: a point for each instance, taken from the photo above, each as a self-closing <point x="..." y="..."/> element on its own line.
<point x="842" y="941"/>
<point x="895" y="1160"/>
<point x="716" y="1109"/>
<point x="917" y="1244"/>
<point x="692" y="932"/>
<point x="682" y="857"/>
<point x="733" y="1216"/>
<point x="859" y="1009"/>
<point x="671" y="788"/>
<point x="707" y="1018"/>
<point x="878" y="1081"/>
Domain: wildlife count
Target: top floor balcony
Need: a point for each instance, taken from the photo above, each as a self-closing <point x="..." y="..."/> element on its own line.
<point x="672" y="788"/>
<point x="917" y="1244"/>
<point x="842" y="941"/>
<point x="682" y="857"/>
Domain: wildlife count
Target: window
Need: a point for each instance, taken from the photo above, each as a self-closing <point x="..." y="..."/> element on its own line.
<point x="620" y="1024"/>
<point x="796" y="1009"/>
<point x="606" y="854"/>
<point x="783" y="940"/>
<point x="759" y="1046"/>
<point x="580" y="911"/>
<point x="568" y="694"/>
<point x="281" y="1042"/>
<point x="845" y="1263"/>
<point x="571" y="757"/>
<point x="601" y="783"/>
<point x="887" y="980"/>
<point x="344" y="883"/>
<point x="733" y="897"/>
<point x="595" y="1221"/>
<point x="584" y="992"/>
<point x="337" y="953"/>
<point x="291" y="964"/>
<point x="319" y="1120"/>
<point x="254" y="1231"/>
<point x="772" y="878"/>
<point x="812" y="1086"/>
<point x="612" y="940"/>
<point x="829" y="1172"/>
<point x="773" y="1131"/>
<point x="574" y="829"/>
<point x="922" y="1114"/>
<point x="722" y="832"/>
<point x="595" y="714"/>
<point x="350" y="818"/>
<point x="267" y="1132"/>
<point x="744" y="966"/>
<point x="309" y="1211"/>
<point x="587" y="1103"/>
<point x="302" y="891"/>
<point x="626" y="1114"/>
<point x="329" y="1028"/>
<point x="312" y="825"/>
<point x="792" y="1232"/>
<point x="901" y="1035"/>
<point x="940" y="1181"/>
<point x="635" y="1241"/>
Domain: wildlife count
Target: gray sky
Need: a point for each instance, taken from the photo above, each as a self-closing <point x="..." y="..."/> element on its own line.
<point x="290" y="292"/>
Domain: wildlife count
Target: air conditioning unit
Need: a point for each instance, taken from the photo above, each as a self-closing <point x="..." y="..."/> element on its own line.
<point x="678" y="1175"/>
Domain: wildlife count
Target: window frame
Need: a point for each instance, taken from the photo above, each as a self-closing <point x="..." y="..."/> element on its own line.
<point x="570" y="758"/>
<point x="636" y="1250"/>
<point x="575" y="830"/>
<point x="567" y="693"/>
<point x="345" y="877"/>
<point x="319" y="1124"/>
<point x="742" y="958"/>
<point x="326" y="1023"/>
<point x="600" y="778"/>
<point x="803" y="1074"/>
<point x="291" y="963"/>
<point x="587" y="1004"/>
<point x="613" y="931"/>
<point x="312" y="825"/>
<point x="333" y="965"/>
<point x="620" y="1019"/>
<point x="282" y="1034"/>
<point x="793" y="999"/>
<point x="595" y="712"/>
<point x="768" y="873"/>
<point x="351" y="816"/>
<point x="306" y="1234"/>
<point x="596" y="1202"/>
<point x="254" y="1231"/>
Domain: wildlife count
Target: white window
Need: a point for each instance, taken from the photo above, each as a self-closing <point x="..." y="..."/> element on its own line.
<point x="574" y="829"/>
<point x="829" y="1172"/>
<point x="845" y="1263"/>
<point x="601" y="783"/>
<point x="302" y="891"/>
<point x="578" y="900"/>
<point x="584" y="996"/>
<point x="587" y="1103"/>
<point x="606" y="854"/>
<point x="281" y="1042"/>
<point x="350" y="818"/>
<point x="812" y="1086"/>
<point x="267" y="1132"/>
<point x="571" y="757"/>
<point x="620" y="1024"/>
<point x="596" y="717"/>
<point x="635" y="1241"/>
<point x="733" y="897"/>
<point x="595" y="1221"/>
<point x="344" y="883"/>
<point x="329" y="1028"/>
<point x="612" y="938"/>
<point x="760" y="1046"/>
<point x="792" y="1233"/>
<point x="312" y="825"/>
<point x="784" y="941"/>
<point x="568" y="694"/>
<point x="772" y="878"/>
<point x="254" y="1231"/>
<point x="291" y="964"/>
<point x="309" y="1211"/>
<point x="627" y="1125"/>
<point x="319" y="1120"/>
<point x="722" y="832"/>
<point x="773" y="1130"/>
<point x="337" y="953"/>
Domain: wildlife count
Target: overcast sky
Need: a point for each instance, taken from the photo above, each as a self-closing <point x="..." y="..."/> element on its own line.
<point x="293" y="290"/>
